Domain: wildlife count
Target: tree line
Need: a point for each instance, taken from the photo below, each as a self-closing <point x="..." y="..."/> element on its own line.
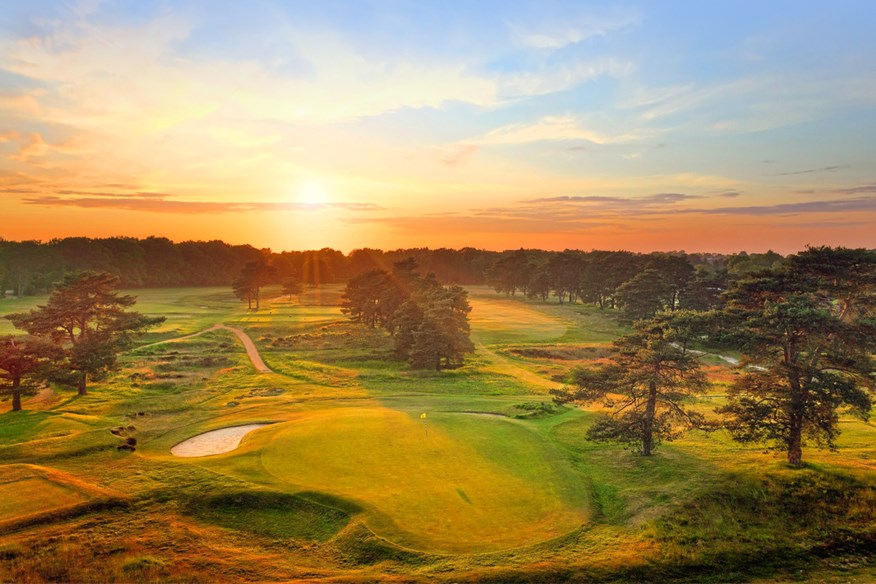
<point x="638" y="285"/>
<point x="31" y="267"/>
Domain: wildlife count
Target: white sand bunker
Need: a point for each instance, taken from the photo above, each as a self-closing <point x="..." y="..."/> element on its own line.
<point x="214" y="442"/>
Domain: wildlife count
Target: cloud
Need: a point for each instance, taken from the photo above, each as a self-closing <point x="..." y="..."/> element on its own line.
<point x="656" y="199"/>
<point x="9" y="136"/>
<point x="563" y="33"/>
<point x="857" y="190"/>
<point x="18" y="191"/>
<point x="813" y="170"/>
<point x="139" y="194"/>
<point x="833" y="206"/>
<point x="455" y="154"/>
<point x="160" y="204"/>
<point x="555" y="77"/>
<point x="35" y="147"/>
<point x="549" y="128"/>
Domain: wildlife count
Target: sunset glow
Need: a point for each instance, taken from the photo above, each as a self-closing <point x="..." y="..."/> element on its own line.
<point x="697" y="126"/>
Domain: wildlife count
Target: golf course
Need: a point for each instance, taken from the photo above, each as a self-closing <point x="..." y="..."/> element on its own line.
<point x="336" y="463"/>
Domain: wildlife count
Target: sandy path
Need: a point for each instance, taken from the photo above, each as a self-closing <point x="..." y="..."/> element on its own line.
<point x="44" y="395"/>
<point x="251" y="351"/>
<point x="214" y="442"/>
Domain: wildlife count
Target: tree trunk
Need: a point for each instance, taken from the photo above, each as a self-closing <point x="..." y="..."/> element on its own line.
<point x="438" y="363"/>
<point x="795" y="421"/>
<point x="257" y="295"/>
<point x="648" y="426"/>
<point x="16" y="396"/>
<point x="81" y="386"/>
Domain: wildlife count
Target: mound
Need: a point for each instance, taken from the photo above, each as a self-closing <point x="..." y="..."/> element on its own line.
<point x="449" y="482"/>
<point x="272" y="514"/>
<point x="29" y="493"/>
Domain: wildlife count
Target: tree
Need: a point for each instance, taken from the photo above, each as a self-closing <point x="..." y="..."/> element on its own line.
<point x="86" y="315"/>
<point x="808" y="332"/>
<point x="604" y="272"/>
<point x="509" y="273"/>
<point x="315" y="271"/>
<point x="428" y="321"/>
<point x="248" y="284"/>
<point x="435" y="332"/>
<point x="363" y="296"/>
<point x="291" y="286"/>
<point x="24" y="364"/>
<point x="644" y="295"/>
<point x="676" y="271"/>
<point x="705" y="291"/>
<point x="645" y="385"/>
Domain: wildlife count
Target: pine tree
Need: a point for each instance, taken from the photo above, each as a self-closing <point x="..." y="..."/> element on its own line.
<point x="808" y="334"/>
<point x="86" y="315"/>
<point x="644" y="387"/>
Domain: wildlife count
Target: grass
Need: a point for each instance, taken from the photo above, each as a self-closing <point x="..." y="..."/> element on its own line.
<point x="448" y="482"/>
<point x="350" y="483"/>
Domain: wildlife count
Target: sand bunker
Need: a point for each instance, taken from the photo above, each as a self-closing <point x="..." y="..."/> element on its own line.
<point x="214" y="442"/>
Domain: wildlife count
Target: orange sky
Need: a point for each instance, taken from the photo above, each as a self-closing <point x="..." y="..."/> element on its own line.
<point x="552" y="125"/>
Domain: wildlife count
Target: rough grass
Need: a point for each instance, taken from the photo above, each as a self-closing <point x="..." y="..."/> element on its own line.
<point x="274" y="515"/>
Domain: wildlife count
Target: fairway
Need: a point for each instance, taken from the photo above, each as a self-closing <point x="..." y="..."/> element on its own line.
<point x="498" y="320"/>
<point x="447" y="482"/>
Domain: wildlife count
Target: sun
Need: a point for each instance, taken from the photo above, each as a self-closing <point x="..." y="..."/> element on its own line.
<point x="312" y="193"/>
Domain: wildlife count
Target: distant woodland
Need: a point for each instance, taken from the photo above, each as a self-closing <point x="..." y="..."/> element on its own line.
<point x="32" y="267"/>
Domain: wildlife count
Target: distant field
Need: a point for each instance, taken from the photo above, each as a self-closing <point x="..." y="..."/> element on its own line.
<point x="350" y="481"/>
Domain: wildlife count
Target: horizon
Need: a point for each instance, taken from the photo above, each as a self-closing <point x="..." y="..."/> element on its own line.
<point x="348" y="251"/>
<point x="612" y="125"/>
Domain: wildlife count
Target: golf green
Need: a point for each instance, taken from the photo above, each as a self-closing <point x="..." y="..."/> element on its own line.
<point x="447" y="482"/>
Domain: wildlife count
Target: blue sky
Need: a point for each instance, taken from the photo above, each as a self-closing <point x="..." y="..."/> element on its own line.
<point x="350" y="124"/>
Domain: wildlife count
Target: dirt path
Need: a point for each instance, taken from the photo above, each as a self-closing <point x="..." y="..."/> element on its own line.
<point x="251" y="351"/>
<point x="44" y="396"/>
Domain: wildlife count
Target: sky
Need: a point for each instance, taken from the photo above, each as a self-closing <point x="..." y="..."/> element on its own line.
<point x="652" y="125"/>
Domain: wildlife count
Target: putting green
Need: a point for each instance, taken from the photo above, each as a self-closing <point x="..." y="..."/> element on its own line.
<point x="451" y="482"/>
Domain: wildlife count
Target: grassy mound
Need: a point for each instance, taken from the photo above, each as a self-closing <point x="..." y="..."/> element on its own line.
<point x="274" y="515"/>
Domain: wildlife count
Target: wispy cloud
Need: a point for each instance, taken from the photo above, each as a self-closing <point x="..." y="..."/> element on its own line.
<point x="565" y="32"/>
<point x="833" y="168"/>
<point x="159" y="204"/>
<point x="548" y="128"/>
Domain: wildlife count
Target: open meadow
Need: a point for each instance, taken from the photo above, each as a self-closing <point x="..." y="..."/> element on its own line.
<point x="363" y="469"/>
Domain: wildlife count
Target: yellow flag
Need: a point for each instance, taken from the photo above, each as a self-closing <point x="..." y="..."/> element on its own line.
<point x="423" y="416"/>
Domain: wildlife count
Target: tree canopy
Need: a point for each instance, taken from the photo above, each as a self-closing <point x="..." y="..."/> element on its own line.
<point x="428" y="321"/>
<point x="808" y="333"/>
<point x="644" y="387"/>
<point x="24" y="365"/>
<point x="87" y="316"/>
